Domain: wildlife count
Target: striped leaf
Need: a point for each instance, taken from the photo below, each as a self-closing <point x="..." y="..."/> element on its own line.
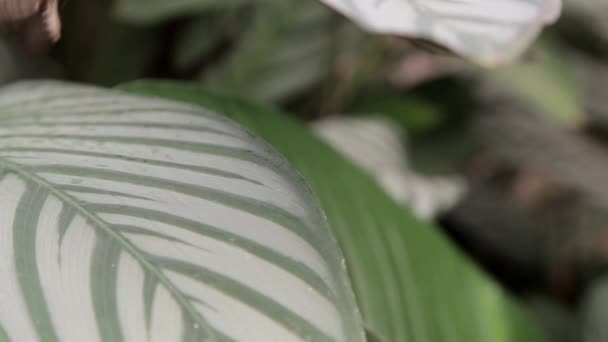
<point x="410" y="282"/>
<point x="488" y="31"/>
<point x="130" y="219"/>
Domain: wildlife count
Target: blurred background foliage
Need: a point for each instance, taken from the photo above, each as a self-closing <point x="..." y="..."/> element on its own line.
<point x="527" y="143"/>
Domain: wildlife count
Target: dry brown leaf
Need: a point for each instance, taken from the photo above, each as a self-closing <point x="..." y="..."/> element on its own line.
<point x="38" y="18"/>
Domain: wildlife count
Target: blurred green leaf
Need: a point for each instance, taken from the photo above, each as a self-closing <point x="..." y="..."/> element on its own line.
<point x="201" y="35"/>
<point x="9" y="68"/>
<point x="415" y="115"/>
<point x="286" y="49"/>
<point x="139" y="49"/>
<point x="449" y="146"/>
<point x="559" y="321"/>
<point x="546" y="80"/>
<point x="595" y="311"/>
<point x="411" y="283"/>
<point x="97" y="49"/>
<point x="590" y="17"/>
<point x="153" y="11"/>
<point x="595" y="79"/>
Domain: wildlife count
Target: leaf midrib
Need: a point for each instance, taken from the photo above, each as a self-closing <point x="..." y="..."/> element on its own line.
<point x="128" y="246"/>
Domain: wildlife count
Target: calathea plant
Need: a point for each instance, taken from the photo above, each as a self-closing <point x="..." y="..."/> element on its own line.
<point x="160" y="211"/>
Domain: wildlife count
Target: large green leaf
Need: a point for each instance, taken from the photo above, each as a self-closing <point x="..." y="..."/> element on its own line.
<point x="130" y="219"/>
<point x="489" y="31"/>
<point x="410" y="282"/>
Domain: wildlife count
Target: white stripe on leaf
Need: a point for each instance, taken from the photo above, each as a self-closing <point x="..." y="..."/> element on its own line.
<point x="65" y="274"/>
<point x="231" y="317"/>
<point x="167" y="324"/>
<point x="131" y="306"/>
<point x="13" y="311"/>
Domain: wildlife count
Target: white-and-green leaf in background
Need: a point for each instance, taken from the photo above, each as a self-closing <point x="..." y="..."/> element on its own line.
<point x="411" y="283"/>
<point x="125" y="218"/>
<point x="488" y="31"/>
